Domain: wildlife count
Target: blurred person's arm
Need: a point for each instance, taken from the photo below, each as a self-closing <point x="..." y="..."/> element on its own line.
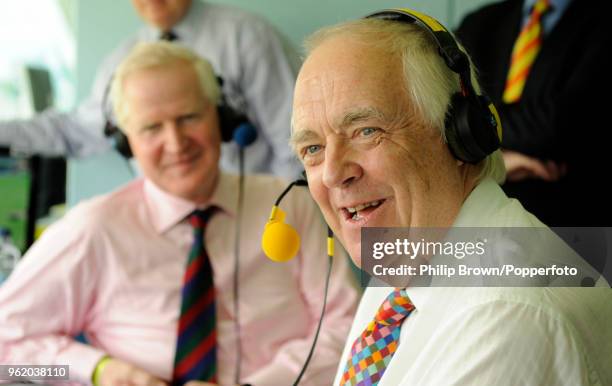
<point x="78" y="133"/>
<point x="48" y="300"/>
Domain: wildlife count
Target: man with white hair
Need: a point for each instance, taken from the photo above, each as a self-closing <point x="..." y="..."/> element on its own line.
<point x="115" y="266"/>
<point x="392" y="132"/>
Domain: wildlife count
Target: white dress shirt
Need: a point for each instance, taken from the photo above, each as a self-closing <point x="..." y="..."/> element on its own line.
<point x="497" y="336"/>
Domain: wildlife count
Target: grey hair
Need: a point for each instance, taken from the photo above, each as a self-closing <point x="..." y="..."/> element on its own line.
<point x="157" y="55"/>
<point x="427" y="79"/>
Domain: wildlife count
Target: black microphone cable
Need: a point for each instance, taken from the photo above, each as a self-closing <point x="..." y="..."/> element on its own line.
<point x="244" y="135"/>
<point x="330" y="255"/>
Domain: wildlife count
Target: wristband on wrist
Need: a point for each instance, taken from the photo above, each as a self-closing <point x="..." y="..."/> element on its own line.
<point x="95" y="377"/>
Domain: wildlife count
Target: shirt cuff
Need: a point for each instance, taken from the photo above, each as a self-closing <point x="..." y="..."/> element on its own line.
<point x="82" y="359"/>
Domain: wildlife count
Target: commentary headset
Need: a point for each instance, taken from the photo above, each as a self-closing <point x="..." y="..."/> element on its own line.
<point x="472" y="126"/>
<point x="233" y="124"/>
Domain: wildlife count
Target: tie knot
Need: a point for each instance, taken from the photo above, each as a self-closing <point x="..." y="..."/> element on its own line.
<point x="395" y="308"/>
<point x="199" y="217"/>
<point x="168" y="36"/>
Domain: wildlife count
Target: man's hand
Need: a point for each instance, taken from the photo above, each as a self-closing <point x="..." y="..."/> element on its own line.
<point x="520" y="167"/>
<point x="118" y="372"/>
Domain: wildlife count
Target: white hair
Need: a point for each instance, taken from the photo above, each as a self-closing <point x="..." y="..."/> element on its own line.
<point x="158" y="55"/>
<point x="427" y="79"/>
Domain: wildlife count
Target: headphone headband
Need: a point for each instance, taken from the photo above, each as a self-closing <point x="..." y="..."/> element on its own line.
<point x="473" y="128"/>
<point x="455" y="59"/>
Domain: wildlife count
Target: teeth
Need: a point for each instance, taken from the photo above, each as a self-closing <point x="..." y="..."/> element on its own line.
<point x="362" y="206"/>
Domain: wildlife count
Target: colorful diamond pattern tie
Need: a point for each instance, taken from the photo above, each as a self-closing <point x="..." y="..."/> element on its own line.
<point x="525" y="50"/>
<point x="196" y="357"/>
<point x="373" y="349"/>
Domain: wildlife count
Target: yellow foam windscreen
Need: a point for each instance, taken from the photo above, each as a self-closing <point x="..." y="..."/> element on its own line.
<point x="280" y="241"/>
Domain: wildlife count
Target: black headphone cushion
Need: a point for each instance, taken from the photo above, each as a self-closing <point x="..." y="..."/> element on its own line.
<point x="120" y="141"/>
<point x="229" y="120"/>
<point x="122" y="144"/>
<point x="471" y="129"/>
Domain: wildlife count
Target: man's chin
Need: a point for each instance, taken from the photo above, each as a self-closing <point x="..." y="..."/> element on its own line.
<point x="354" y="251"/>
<point x="352" y="245"/>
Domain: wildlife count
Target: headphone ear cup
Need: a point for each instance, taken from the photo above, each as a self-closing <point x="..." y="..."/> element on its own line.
<point x="229" y="120"/>
<point x="122" y="144"/>
<point x="120" y="141"/>
<point x="471" y="129"/>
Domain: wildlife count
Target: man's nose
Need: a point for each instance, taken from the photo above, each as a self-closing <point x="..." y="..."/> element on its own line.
<point x="340" y="168"/>
<point x="175" y="138"/>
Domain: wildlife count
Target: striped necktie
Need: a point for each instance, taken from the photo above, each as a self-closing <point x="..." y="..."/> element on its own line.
<point x="525" y="50"/>
<point x="373" y="349"/>
<point x="196" y="357"/>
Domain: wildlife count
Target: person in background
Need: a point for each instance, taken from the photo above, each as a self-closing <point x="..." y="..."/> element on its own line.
<point x="116" y="267"/>
<point x="375" y="117"/>
<point x="257" y="72"/>
<point x="543" y="63"/>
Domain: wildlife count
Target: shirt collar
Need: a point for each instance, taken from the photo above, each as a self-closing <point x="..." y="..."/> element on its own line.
<point x="481" y="204"/>
<point x="419" y="295"/>
<point x="185" y="28"/>
<point x="167" y="210"/>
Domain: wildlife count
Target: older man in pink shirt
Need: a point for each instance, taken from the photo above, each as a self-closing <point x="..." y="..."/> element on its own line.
<point x="113" y="266"/>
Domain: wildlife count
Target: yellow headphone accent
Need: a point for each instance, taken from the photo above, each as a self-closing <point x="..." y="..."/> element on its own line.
<point x="432" y="23"/>
<point x="493" y="110"/>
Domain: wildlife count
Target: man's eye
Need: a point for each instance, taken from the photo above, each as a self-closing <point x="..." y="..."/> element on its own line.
<point x="312" y="149"/>
<point x="368" y="131"/>
<point x="189" y="118"/>
<point x="151" y="128"/>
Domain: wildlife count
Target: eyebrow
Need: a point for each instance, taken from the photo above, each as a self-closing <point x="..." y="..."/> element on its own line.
<point x="353" y="116"/>
<point x="360" y="114"/>
<point x="301" y="136"/>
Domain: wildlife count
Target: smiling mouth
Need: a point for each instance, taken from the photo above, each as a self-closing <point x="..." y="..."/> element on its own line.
<point x="184" y="160"/>
<point x="357" y="213"/>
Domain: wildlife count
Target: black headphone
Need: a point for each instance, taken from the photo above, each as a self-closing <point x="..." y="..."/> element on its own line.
<point x="229" y="121"/>
<point x="472" y="126"/>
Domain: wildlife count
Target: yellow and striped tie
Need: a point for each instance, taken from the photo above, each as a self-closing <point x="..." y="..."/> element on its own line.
<point x="525" y="50"/>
